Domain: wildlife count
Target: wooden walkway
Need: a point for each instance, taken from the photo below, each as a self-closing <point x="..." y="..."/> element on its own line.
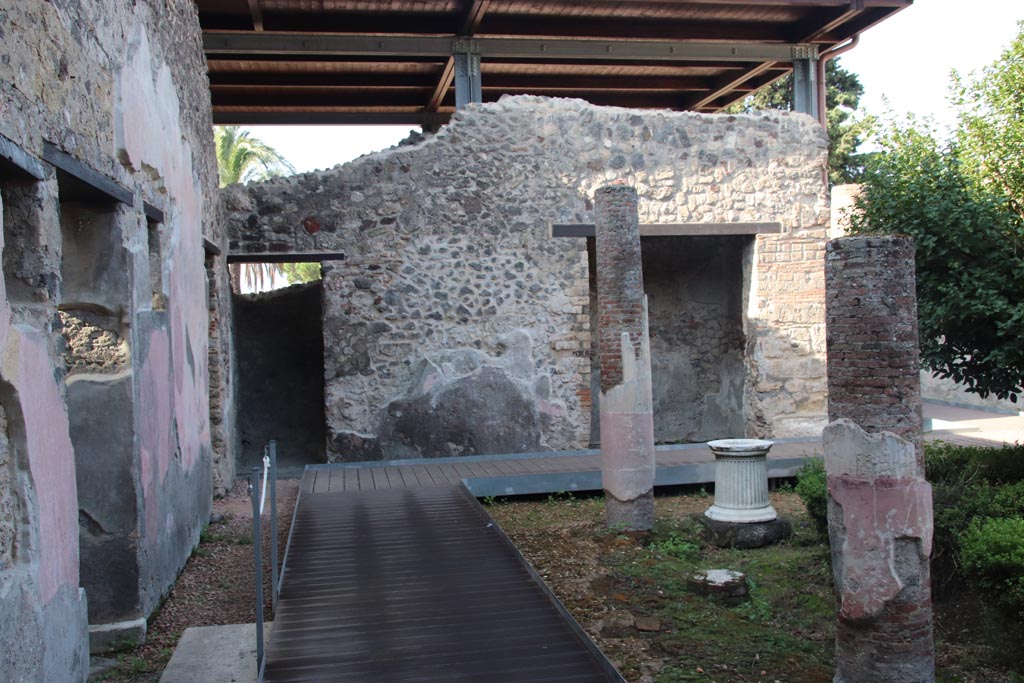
<point x="549" y="472"/>
<point x="528" y="473"/>
<point x="410" y="585"/>
<point x="395" y="574"/>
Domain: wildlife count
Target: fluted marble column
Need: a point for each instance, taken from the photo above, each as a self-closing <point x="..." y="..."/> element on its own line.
<point x="741" y="481"/>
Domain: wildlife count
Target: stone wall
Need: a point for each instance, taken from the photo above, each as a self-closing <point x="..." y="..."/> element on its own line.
<point x="108" y="424"/>
<point x="452" y="282"/>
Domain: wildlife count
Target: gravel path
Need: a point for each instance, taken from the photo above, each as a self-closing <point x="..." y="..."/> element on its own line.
<point x="214" y="588"/>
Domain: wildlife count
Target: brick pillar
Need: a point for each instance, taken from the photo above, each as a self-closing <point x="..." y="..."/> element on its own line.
<point x="871" y="312"/>
<point x="880" y="506"/>
<point x="626" y="406"/>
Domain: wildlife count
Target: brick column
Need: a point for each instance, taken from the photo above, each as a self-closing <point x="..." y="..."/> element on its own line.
<point x="880" y="506"/>
<point x="873" y="358"/>
<point x="626" y="406"/>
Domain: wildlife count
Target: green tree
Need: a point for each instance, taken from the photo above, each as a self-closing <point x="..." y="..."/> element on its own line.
<point x="242" y="158"/>
<point x="846" y="130"/>
<point x="301" y="272"/>
<point x="991" y="116"/>
<point x="960" y="199"/>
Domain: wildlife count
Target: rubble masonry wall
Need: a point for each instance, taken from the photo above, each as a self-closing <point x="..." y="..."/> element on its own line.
<point x="453" y="288"/>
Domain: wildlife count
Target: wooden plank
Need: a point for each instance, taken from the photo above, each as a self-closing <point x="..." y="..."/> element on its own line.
<point x="346" y="579"/>
<point x="419" y="473"/>
<point x="380" y="478"/>
<point x="394" y="478"/>
<point x="308" y="481"/>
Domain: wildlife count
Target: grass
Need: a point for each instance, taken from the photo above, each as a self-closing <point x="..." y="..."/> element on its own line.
<point x="784" y="633"/>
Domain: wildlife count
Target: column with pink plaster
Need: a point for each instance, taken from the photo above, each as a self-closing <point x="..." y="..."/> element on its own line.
<point x="624" y="353"/>
<point x="880" y="506"/>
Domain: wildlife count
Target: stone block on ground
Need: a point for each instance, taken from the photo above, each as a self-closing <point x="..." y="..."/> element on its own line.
<point x="726" y="584"/>
<point x="215" y="654"/>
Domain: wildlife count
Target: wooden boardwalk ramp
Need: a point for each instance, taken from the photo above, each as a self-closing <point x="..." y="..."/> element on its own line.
<point x="410" y="585"/>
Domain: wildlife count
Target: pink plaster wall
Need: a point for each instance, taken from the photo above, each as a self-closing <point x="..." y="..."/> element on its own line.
<point x="51" y="461"/>
<point x="156" y="414"/>
<point x="150" y="134"/>
<point x="27" y="365"/>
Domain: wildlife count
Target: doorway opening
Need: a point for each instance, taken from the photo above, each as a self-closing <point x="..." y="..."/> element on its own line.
<point x="695" y="294"/>
<point x="280" y="354"/>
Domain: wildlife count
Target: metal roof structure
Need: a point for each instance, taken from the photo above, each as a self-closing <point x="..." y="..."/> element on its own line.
<point x="414" y="61"/>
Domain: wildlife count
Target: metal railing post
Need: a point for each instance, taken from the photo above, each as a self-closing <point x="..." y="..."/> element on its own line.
<point x="274" y="577"/>
<point x="254" y="486"/>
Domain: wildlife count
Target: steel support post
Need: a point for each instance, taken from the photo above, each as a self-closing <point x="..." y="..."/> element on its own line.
<point x="467" y="79"/>
<point x="274" y="576"/>
<point x="254" y="490"/>
<point x="805" y="86"/>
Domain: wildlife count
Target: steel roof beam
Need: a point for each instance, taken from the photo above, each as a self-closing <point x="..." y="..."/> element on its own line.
<point x="554" y="49"/>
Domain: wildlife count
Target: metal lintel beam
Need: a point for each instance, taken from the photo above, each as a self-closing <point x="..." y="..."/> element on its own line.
<point x="287" y="257"/>
<point x="14" y="161"/>
<point x="153" y="213"/>
<point x="554" y="49"/>
<point x="78" y="182"/>
<point x="675" y="229"/>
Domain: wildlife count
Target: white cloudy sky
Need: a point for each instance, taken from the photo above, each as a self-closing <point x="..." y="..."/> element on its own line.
<point x="904" y="61"/>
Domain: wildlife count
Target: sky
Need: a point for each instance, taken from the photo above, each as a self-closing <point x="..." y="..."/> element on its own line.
<point x="903" y="63"/>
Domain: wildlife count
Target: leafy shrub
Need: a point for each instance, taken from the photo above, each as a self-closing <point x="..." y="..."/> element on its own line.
<point x="968" y="465"/>
<point x="992" y="556"/>
<point x="811" y="486"/>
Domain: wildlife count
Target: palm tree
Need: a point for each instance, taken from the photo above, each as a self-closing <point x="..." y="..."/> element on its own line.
<point x="242" y="158"/>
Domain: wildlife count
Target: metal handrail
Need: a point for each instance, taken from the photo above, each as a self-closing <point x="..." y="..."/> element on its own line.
<point x="270" y="480"/>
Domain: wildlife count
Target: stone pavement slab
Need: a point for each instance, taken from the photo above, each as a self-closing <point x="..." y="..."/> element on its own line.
<point x="215" y="654"/>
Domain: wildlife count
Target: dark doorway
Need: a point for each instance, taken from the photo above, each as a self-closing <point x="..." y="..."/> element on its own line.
<point x="694" y="288"/>
<point x="280" y="351"/>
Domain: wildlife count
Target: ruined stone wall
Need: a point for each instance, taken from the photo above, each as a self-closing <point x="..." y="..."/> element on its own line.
<point x="120" y="88"/>
<point x="453" y="292"/>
